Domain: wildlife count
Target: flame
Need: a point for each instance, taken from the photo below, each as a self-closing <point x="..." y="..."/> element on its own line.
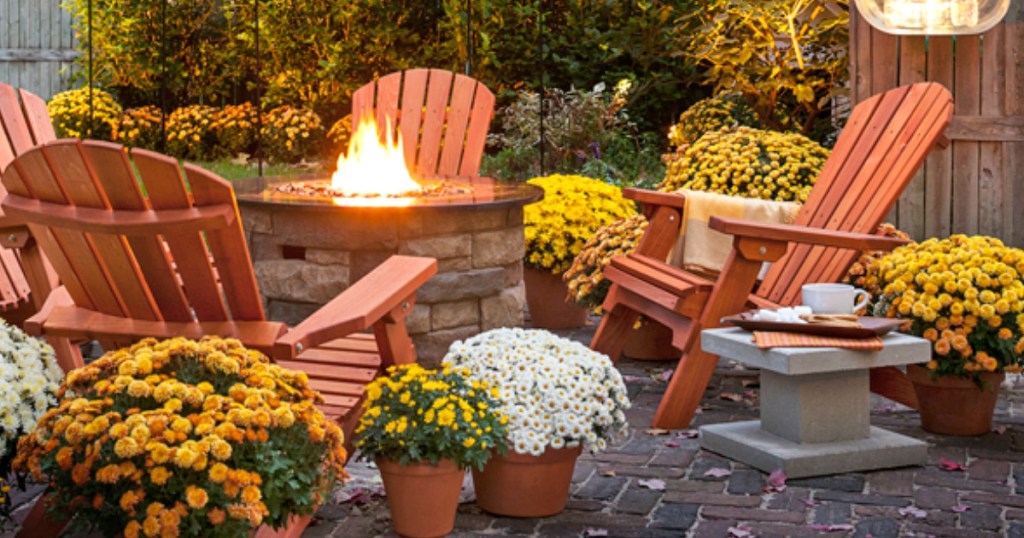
<point x="373" y="168"/>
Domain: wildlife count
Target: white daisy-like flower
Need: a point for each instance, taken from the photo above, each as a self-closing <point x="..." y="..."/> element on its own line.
<point x="29" y="378"/>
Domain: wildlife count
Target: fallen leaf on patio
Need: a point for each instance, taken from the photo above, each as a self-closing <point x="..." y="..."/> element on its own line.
<point x="631" y="378"/>
<point x="657" y="431"/>
<point x="688" y="434"/>
<point x="654" y="483"/>
<point x="750" y="394"/>
<point x="717" y="472"/>
<point x="731" y="396"/>
<point x="740" y="532"/>
<point x="595" y="532"/>
<point x="950" y="465"/>
<point x="666" y="375"/>
<point x="830" y="528"/>
<point x="913" y="511"/>
<point x="1000" y="429"/>
<point x="810" y="502"/>
<point x="777" y="480"/>
<point x="671" y="444"/>
<point x="887" y="409"/>
<point x="356" y="496"/>
<point x="960" y="508"/>
<point x="608" y="473"/>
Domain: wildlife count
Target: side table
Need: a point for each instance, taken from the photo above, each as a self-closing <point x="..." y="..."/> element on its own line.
<point x="815" y="407"/>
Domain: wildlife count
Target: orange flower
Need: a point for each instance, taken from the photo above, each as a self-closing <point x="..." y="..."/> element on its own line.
<point x="216" y="517"/>
<point x="942" y="347"/>
<point x="160" y="475"/>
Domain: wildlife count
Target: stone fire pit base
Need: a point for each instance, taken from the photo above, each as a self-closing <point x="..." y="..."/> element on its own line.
<point x="305" y="256"/>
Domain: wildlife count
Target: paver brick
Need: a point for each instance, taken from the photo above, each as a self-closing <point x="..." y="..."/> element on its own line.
<point x="940" y="518"/>
<point x="858" y="498"/>
<point x="957" y="481"/>
<point x="899" y="483"/>
<point x="695" y="485"/>
<point x="602" y="487"/>
<point x="746" y="481"/>
<point x="711" y="499"/>
<point x="638" y="501"/>
<point x="932" y="530"/>
<point x="876" y="528"/>
<point x="741" y="513"/>
<point x="778" y="530"/>
<point x="674" y="516"/>
<point x="584" y="505"/>
<point x="515" y="525"/>
<point x="832" y="513"/>
<point x="790" y="500"/>
<point x="929" y="497"/>
<point x="1015" y="530"/>
<point x="982" y="516"/>
<point x="990" y="470"/>
<point x="712" y="528"/>
<point x="993" y="498"/>
<point x="665" y="473"/>
<point x="843" y="482"/>
<point x="674" y="457"/>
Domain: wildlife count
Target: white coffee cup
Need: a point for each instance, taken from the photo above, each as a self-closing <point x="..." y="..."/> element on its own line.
<point x="833" y="298"/>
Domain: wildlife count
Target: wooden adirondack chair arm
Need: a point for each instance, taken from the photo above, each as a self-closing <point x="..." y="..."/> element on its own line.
<point x="389" y="288"/>
<point x="803" y="234"/>
<point x="647" y="197"/>
<point x="102" y="220"/>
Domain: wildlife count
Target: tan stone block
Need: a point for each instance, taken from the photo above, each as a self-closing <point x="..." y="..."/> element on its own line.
<point x="255" y="219"/>
<point x="432" y="347"/>
<point x="263" y="247"/>
<point x="447" y="246"/>
<point x="455" y="314"/>
<point x="513" y="273"/>
<point x="447" y="287"/>
<point x="454" y="265"/>
<point x="503" y="310"/>
<point x="300" y="281"/>
<point x="499" y="247"/>
<point x="418" y="321"/>
<point x="426" y="223"/>
<point x="290" y="312"/>
<point x="328" y="256"/>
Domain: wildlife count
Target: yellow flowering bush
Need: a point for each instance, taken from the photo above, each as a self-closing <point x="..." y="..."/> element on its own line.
<point x="184" y="438"/>
<point x="585" y="278"/>
<point x="71" y="115"/>
<point x="189" y="132"/>
<point x="414" y="414"/>
<point x="338" y="136"/>
<point x="573" y="209"/>
<point x="235" y="128"/>
<point x="724" y="110"/>
<point x="289" y="134"/>
<point x="858" y="271"/>
<point x="964" y="294"/>
<point x="139" y="127"/>
<point x="748" y="162"/>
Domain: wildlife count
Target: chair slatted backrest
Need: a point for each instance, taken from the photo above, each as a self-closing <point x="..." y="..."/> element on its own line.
<point x="883" y="144"/>
<point x="174" y="267"/>
<point x="24" y="123"/>
<point x="443" y="118"/>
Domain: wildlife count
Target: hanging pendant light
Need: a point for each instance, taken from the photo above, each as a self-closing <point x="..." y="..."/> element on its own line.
<point x="933" y="17"/>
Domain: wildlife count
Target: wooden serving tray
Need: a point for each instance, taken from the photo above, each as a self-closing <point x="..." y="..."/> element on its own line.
<point x="870" y="326"/>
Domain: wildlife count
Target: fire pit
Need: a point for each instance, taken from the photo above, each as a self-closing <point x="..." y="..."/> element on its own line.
<point x="308" y="244"/>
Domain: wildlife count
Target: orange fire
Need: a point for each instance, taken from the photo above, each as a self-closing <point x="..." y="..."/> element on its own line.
<point x="373" y="168"/>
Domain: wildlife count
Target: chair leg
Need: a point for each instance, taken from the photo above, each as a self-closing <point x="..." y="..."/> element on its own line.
<point x="685" y="389"/>
<point x="69" y="355"/>
<point x="892" y="383"/>
<point x="611" y="334"/>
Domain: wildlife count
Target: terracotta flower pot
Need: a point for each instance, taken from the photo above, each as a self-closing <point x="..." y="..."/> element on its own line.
<point x="546" y="299"/>
<point x="422" y="497"/>
<point x="952" y="405"/>
<point x="650" y="341"/>
<point x="519" y="485"/>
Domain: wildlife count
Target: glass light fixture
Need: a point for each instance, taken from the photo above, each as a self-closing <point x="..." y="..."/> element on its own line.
<point x="933" y="17"/>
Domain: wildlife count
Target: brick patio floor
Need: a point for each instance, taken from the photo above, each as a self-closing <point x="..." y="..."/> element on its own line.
<point x="609" y="499"/>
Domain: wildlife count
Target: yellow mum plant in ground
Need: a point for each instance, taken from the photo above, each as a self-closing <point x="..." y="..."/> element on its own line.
<point x="189" y="135"/>
<point x="748" y="162"/>
<point x="184" y="438"/>
<point x="289" y="134"/>
<point x="235" y="128"/>
<point x="585" y="278"/>
<point x="964" y="294"/>
<point x="724" y="110"/>
<point x="573" y="209"/>
<point x="74" y="117"/>
<point x="419" y="415"/>
<point x="140" y="127"/>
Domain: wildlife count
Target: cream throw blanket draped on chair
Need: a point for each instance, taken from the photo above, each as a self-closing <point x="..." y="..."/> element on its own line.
<point x="703" y="250"/>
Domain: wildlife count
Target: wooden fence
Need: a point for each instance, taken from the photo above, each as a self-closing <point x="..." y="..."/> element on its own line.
<point x="37" y="45"/>
<point x="977" y="184"/>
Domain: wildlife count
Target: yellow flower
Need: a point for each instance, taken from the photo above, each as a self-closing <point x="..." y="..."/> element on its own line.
<point x="159" y="475"/>
<point x="218" y="473"/>
<point x="127" y="447"/>
<point x="197" y="497"/>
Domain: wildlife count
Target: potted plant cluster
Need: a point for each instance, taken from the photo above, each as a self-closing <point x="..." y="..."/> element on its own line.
<point x="29" y="380"/>
<point x="559" y="396"/>
<point x="184" y="438"/>
<point x="966" y="296"/>
<point x="423" y="428"/>
<point x="556" y="228"/>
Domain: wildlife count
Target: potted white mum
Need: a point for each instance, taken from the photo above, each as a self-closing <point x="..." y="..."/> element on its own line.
<point x="560" y="396"/>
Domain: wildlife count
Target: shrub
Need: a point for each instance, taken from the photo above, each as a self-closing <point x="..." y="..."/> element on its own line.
<point x="235" y="128"/>
<point x="290" y="134"/>
<point x="725" y="110"/>
<point x="337" y="137"/>
<point x="585" y="278"/>
<point x="748" y="162"/>
<point x="185" y="438"/>
<point x="189" y="135"/>
<point x="787" y="59"/>
<point x="573" y="209"/>
<point x="583" y="131"/>
<point x="75" y="115"/>
<point x="140" y="128"/>
<point x="964" y="294"/>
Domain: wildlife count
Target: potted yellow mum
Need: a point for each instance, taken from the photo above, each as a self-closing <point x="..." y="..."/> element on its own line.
<point x="965" y="295"/>
<point x="556" y="228"/>
<point x="423" y="428"/>
<point x="184" y="438"/>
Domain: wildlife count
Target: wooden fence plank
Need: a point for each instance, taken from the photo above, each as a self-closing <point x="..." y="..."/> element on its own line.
<point x="1013" y="106"/>
<point x="992" y="192"/>
<point x="939" y="166"/>
<point x="37" y="46"/>
<point x="967" y="102"/>
<point x="910" y="209"/>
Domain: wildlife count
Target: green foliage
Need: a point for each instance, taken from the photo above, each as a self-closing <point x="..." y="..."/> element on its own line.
<point x="291" y="134"/>
<point x="77" y="115"/>
<point x="787" y="58"/>
<point x="585" y="132"/>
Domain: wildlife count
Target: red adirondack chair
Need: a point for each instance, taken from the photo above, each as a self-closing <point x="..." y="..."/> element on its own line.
<point x="140" y="252"/>
<point x="883" y="144"/>
<point x="443" y="118"/>
<point x="25" y="278"/>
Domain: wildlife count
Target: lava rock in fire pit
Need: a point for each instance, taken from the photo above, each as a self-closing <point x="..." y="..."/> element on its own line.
<point x="323" y="189"/>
